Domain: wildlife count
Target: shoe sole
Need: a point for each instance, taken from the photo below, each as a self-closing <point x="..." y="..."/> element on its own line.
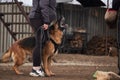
<point x="33" y="75"/>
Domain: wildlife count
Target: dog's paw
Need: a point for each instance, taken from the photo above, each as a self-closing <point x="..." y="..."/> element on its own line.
<point x="47" y="75"/>
<point x="20" y="73"/>
<point x="52" y="74"/>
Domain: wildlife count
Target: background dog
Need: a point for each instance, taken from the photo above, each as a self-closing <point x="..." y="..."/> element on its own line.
<point x="21" y="48"/>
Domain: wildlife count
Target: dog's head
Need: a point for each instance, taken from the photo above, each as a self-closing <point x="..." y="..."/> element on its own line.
<point x="61" y="23"/>
<point x="57" y="30"/>
<point x="58" y="24"/>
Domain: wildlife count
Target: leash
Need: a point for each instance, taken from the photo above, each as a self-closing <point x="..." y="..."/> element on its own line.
<point x="44" y="36"/>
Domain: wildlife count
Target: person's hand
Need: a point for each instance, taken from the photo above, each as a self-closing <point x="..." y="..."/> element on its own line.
<point x="45" y="26"/>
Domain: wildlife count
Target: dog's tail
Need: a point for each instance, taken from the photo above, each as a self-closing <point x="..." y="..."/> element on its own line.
<point x="6" y="56"/>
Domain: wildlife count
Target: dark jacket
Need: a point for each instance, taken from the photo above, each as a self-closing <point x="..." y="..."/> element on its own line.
<point x="116" y="4"/>
<point x="44" y="10"/>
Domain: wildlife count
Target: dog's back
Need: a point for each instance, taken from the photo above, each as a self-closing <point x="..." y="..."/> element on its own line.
<point x="26" y="44"/>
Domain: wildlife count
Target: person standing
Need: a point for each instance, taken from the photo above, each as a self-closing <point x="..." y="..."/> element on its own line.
<point x="116" y="6"/>
<point x="43" y="12"/>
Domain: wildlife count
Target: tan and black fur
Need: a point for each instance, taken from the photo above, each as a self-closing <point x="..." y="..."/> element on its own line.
<point x="21" y="48"/>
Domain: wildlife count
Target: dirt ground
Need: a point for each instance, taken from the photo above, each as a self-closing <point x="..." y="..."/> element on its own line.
<point x="66" y="67"/>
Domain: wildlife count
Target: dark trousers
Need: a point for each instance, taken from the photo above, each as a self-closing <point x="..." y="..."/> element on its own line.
<point x="116" y="4"/>
<point x="39" y="35"/>
<point x="118" y="39"/>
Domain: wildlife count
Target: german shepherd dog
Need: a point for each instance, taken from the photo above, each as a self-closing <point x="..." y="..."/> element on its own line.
<point x="23" y="47"/>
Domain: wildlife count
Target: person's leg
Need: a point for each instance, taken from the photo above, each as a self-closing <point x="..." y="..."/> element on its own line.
<point x="118" y="30"/>
<point x="116" y="4"/>
<point x="119" y="61"/>
<point x="119" y="52"/>
<point x="37" y="52"/>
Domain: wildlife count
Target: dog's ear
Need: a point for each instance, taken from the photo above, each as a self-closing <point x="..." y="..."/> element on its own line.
<point x="52" y="25"/>
<point x="56" y="26"/>
<point x="61" y="21"/>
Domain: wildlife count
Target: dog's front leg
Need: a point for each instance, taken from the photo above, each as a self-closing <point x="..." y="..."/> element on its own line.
<point x="49" y="66"/>
<point x="45" y="64"/>
<point x="15" y="68"/>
